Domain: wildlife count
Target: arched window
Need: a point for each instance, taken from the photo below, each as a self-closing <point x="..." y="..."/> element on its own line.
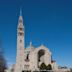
<point x="20" y="41"/>
<point x="40" y="54"/>
<point x="27" y="58"/>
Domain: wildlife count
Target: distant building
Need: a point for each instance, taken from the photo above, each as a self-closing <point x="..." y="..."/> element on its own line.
<point x="30" y="58"/>
<point x="10" y="69"/>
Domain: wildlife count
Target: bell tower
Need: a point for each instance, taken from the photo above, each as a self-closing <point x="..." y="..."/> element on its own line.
<point x="20" y="32"/>
<point x="20" y="45"/>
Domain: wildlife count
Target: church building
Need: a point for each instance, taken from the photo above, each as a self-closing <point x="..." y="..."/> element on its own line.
<point x="30" y="58"/>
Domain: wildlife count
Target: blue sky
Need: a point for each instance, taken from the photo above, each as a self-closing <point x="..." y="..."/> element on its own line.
<point x="49" y="21"/>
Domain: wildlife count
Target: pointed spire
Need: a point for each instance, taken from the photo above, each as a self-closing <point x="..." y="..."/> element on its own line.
<point x="20" y="21"/>
<point x="20" y="11"/>
<point x="30" y="43"/>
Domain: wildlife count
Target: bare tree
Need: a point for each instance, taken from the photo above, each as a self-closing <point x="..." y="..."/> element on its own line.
<point x="3" y="65"/>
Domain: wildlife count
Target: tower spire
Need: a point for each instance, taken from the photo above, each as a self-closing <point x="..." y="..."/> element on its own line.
<point x="20" y="11"/>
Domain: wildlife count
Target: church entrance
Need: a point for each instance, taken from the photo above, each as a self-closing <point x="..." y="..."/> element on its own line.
<point x="26" y="71"/>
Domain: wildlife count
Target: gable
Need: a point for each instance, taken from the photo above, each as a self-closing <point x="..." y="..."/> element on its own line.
<point x="42" y="47"/>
